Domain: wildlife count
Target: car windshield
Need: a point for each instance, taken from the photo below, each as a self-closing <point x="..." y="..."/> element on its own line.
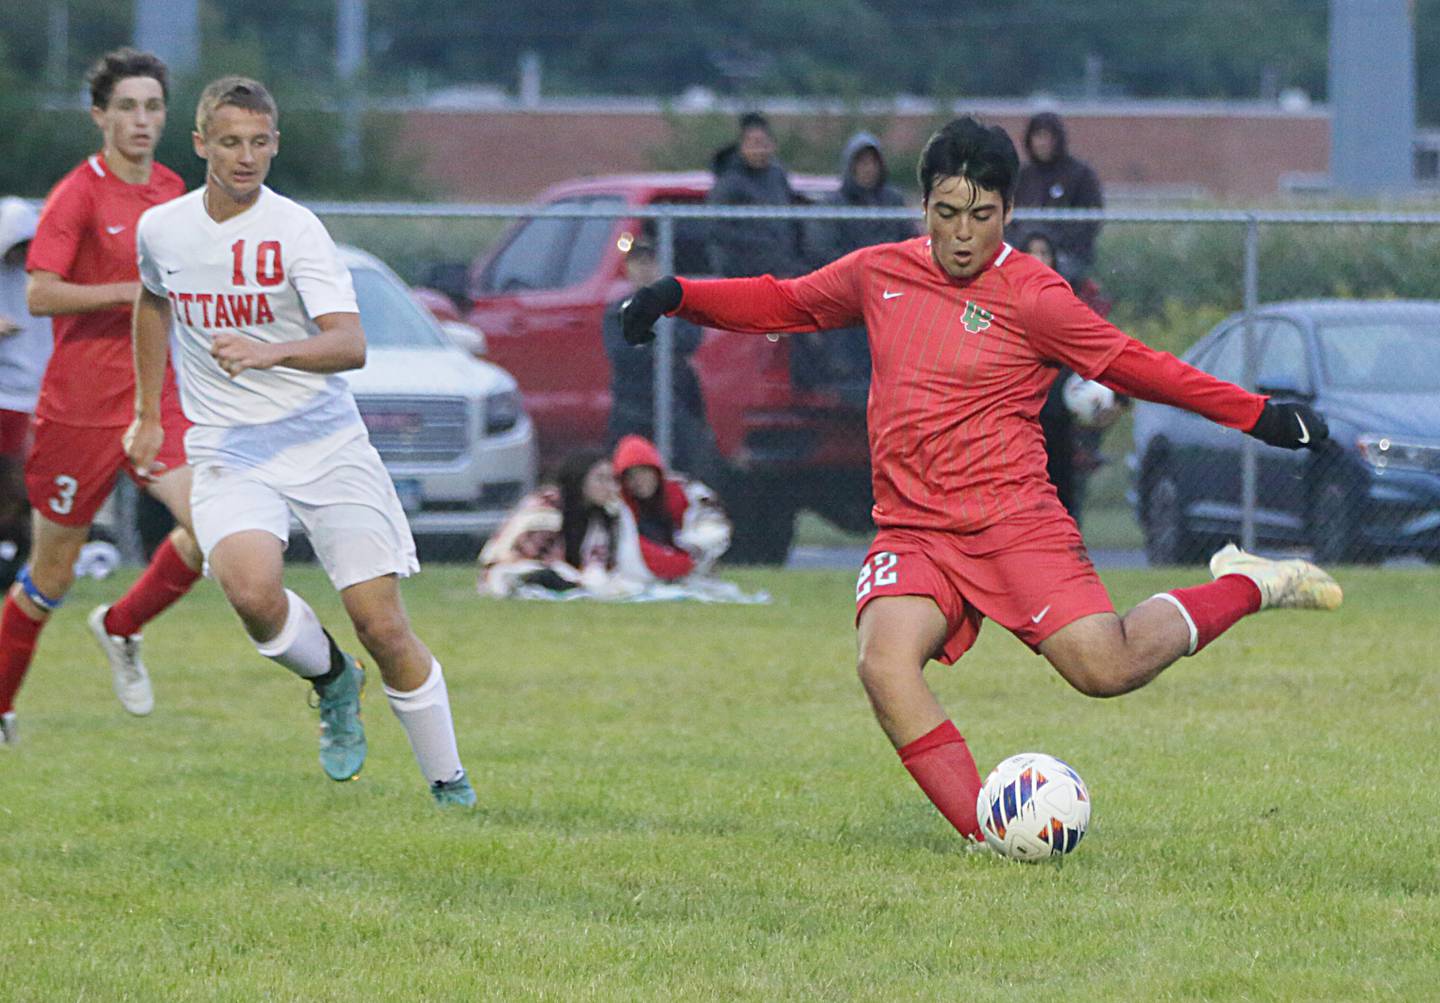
<point x="392" y="319"/>
<point x="1389" y="356"/>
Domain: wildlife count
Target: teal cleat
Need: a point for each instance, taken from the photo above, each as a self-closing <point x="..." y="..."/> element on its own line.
<point x="342" y="736"/>
<point x="456" y="792"/>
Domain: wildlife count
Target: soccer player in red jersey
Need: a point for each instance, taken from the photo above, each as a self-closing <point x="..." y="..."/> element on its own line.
<point x="966" y="335"/>
<point x="82" y="272"/>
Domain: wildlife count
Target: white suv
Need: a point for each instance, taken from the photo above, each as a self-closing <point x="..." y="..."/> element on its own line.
<point x="451" y="428"/>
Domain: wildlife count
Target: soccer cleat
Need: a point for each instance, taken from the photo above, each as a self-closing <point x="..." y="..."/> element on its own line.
<point x="132" y="682"/>
<point x="342" y="736"/>
<point x="1292" y="584"/>
<point x="454" y="792"/>
<point x="9" y="730"/>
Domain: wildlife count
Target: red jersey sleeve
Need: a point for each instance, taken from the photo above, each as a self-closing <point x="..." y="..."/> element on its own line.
<point x="63" y="224"/>
<point x="824" y="299"/>
<point x="1143" y="372"/>
<point x="1063" y="329"/>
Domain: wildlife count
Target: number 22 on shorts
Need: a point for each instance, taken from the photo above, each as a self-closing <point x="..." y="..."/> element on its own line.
<point x="877" y="572"/>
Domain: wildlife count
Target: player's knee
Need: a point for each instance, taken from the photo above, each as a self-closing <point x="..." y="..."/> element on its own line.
<point x="878" y="667"/>
<point x="52" y="569"/>
<point x="383" y="633"/>
<point x="262" y="608"/>
<point x="1101" y="677"/>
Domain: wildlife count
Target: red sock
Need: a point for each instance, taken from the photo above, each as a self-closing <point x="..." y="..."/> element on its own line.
<point x="941" y="764"/>
<point x="1213" y="608"/>
<point x="166" y="579"/>
<point x="18" y="634"/>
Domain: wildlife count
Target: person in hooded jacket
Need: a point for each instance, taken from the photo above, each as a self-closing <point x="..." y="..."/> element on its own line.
<point x="25" y="343"/>
<point x="678" y="524"/>
<point x="841" y="359"/>
<point x="864" y="182"/>
<point x="1055" y="179"/>
<point x="747" y="173"/>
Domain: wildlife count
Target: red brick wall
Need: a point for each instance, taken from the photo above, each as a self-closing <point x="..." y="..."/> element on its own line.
<point x="508" y="156"/>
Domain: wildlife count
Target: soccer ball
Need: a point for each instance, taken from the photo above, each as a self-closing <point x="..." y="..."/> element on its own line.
<point x="1033" y="806"/>
<point x="1086" y="399"/>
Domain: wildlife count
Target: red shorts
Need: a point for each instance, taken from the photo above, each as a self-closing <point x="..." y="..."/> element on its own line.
<point x="1030" y="574"/>
<point x="14" y="434"/>
<point x="72" y="468"/>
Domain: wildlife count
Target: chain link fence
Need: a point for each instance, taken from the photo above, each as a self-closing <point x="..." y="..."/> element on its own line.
<point x="1327" y="307"/>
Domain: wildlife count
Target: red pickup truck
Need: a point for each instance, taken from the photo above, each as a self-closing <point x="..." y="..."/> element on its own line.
<point x="790" y="443"/>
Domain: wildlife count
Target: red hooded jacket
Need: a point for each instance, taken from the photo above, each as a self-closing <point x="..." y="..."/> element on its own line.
<point x="657" y="527"/>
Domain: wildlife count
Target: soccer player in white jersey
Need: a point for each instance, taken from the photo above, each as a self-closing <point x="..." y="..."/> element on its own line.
<point x="264" y="317"/>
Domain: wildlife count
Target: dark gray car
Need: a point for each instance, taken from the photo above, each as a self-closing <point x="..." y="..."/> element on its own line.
<point x="1372" y="368"/>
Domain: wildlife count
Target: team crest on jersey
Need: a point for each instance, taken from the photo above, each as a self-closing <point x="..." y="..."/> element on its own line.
<point x="976" y="318"/>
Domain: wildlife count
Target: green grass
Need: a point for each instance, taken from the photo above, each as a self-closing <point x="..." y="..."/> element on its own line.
<point x="691" y="802"/>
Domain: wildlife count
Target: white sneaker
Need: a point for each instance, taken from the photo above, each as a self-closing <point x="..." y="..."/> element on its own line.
<point x="132" y="682"/>
<point x="9" y="730"/>
<point x="1293" y="584"/>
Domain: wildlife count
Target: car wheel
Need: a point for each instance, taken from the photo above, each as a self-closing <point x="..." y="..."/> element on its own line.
<point x="1162" y="517"/>
<point x="1335" y="530"/>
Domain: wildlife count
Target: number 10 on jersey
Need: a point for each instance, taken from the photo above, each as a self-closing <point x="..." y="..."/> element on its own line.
<point x="269" y="269"/>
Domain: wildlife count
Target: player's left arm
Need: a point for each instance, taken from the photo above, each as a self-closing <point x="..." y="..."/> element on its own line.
<point x="1063" y="328"/>
<point x="339" y="346"/>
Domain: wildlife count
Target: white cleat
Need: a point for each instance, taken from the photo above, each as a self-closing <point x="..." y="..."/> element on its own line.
<point x="1292" y="584"/>
<point x="132" y="682"/>
<point x="9" y="730"/>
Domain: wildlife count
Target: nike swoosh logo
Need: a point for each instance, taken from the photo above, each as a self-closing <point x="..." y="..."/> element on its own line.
<point x="1040" y="616"/>
<point x="887" y="294"/>
<point x="171" y="271"/>
<point x="1304" y="432"/>
<point x="112" y="230"/>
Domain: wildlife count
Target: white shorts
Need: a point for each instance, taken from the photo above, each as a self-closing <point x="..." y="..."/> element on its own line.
<point x="344" y="499"/>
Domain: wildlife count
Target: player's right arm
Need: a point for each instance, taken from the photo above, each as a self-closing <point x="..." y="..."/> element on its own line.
<point x="150" y="333"/>
<point x="66" y="219"/>
<point x="825" y="299"/>
<point x="49" y="295"/>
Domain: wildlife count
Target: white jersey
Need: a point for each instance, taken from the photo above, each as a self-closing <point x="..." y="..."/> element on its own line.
<point x="264" y="274"/>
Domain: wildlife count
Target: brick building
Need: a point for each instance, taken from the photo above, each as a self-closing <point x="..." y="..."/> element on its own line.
<point x="1237" y="151"/>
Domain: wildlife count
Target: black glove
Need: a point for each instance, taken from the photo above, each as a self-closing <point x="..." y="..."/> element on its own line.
<point x="1290" y="426"/>
<point x="645" y="306"/>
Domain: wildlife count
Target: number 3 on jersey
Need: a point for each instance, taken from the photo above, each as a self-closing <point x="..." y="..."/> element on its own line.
<point x="877" y="572"/>
<point x="269" y="269"/>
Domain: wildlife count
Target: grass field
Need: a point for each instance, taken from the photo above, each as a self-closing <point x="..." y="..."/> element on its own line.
<point x="693" y="803"/>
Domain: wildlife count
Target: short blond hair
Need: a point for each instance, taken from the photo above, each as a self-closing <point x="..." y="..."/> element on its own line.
<point x="240" y="92"/>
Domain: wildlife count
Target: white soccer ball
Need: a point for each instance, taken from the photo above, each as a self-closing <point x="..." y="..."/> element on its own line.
<point x="1086" y="399"/>
<point x="1033" y="806"/>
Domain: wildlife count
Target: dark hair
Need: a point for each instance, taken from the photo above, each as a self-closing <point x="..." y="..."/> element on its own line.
<point x="575" y="512"/>
<point x="121" y="64"/>
<point x="754" y="120"/>
<point x="966" y="148"/>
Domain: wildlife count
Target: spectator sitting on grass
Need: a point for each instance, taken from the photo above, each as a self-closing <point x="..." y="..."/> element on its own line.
<point x="670" y="528"/>
<point x="561" y="537"/>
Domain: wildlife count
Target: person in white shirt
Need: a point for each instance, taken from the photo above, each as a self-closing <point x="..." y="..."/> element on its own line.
<point x="264" y="317"/>
<point x="24" y="350"/>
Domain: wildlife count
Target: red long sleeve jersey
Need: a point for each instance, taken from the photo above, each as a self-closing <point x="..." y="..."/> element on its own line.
<point x="960" y="369"/>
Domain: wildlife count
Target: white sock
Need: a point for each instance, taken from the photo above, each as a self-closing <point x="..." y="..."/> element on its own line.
<point x="301" y="646"/>
<point x="425" y="715"/>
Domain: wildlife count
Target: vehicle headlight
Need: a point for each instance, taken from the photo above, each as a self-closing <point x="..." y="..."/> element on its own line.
<point x="502" y="411"/>
<point x="1385" y="452"/>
